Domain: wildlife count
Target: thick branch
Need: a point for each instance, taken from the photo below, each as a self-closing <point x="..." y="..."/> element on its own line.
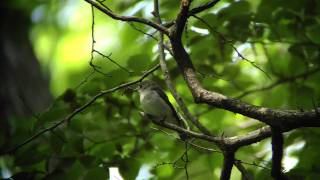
<point x="181" y="20"/>
<point x="168" y="79"/>
<point x="277" y="153"/>
<point x="274" y="117"/>
<point x="228" y="162"/>
<point x="196" y="10"/>
<point x="128" y="18"/>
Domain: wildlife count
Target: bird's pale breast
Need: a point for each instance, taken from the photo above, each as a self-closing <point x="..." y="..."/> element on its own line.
<point x="153" y="104"/>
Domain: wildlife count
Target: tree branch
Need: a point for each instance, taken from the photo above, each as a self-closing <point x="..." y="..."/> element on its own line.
<point x="228" y="162"/>
<point x="196" y="10"/>
<point x="279" y="82"/>
<point x="224" y="142"/>
<point x="277" y="153"/>
<point x="202" y="7"/>
<point x="168" y="79"/>
<point x="108" y="12"/>
<point x="181" y="20"/>
<point x="245" y="174"/>
<point x="250" y="138"/>
<point x="79" y="110"/>
<point x="273" y="117"/>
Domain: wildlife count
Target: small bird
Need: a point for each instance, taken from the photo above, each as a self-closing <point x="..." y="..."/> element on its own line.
<point x="155" y="103"/>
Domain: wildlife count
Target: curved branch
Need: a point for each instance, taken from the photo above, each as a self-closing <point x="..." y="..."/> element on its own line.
<point x="280" y="81"/>
<point x="202" y="7"/>
<point x="181" y="20"/>
<point x="195" y="11"/>
<point x="224" y="142"/>
<point x="251" y="137"/>
<point x="79" y="110"/>
<point x="108" y="12"/>
<point x="168" y="79"/>
<point x="274" y="117"/>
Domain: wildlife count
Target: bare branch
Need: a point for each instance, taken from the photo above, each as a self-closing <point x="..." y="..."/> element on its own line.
<point x="251" y="137"/>
<point x="228" y="162"/>
<point x="196" y="10"/>
<point x="229" y="142"/>
<point x="79" y="110"/>
<point x="181" y="20"/>
<point x="108" y="12"/>
<point x="203" y="7"/>
<point x="280" y="81"/>
<point x="141" y="31"/>
<point x="113" y="61"/>
<point x="245" y="174"/>
<point x="274" y="117"/>
<point x="277" y="153"/>
<point x="232" y="46"/>
<point x="168" y="78"/>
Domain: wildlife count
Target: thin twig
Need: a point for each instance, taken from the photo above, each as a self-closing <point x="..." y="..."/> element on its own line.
<point x="93" y="41"/>
<point x="141" y="31"/>
<point x="113" y="61"/>
<point x="202" y="7"/>
<point x="111" y="14"/>
<point x="232" y="46"/>
<point x="279" y="82"/>
<point x="253" y="164"/>
<point x="79" y="110"/>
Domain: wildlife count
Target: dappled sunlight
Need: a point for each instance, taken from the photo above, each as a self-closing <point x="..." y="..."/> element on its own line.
<point x="246" y="74"/>
<point x="65" y="49"/>
<point x="290" y="160"/>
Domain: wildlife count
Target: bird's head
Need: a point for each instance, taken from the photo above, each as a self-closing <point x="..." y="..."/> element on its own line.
<point x="146" y="85"/>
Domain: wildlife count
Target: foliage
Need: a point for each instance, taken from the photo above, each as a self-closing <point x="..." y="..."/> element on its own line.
<point x="281" y="37"/>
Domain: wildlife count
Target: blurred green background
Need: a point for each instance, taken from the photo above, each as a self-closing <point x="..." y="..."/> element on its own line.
<point x="51" y="78"/>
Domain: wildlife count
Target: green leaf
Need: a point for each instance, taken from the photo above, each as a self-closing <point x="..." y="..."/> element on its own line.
<point x="103" y="150"/>
<point x="97" y="173"/>
<point x="77" y="171"/>
<point x="313" y="33"/>
<point x="139" y="62"/>
<point x="129" y="168"/>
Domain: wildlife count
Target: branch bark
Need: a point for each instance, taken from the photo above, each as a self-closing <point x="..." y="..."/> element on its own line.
<point x="168" y="78"/>
<point x="273" y="117"/>
<point x="228" y="162"/>
<point x="245" y="174"/>
<point x="277" y="153"/>
<point x="108" y="12"/>
<point x="202" y="7"/>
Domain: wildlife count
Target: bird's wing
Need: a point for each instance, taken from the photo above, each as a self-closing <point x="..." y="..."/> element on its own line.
<point x="165" y="98"/>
